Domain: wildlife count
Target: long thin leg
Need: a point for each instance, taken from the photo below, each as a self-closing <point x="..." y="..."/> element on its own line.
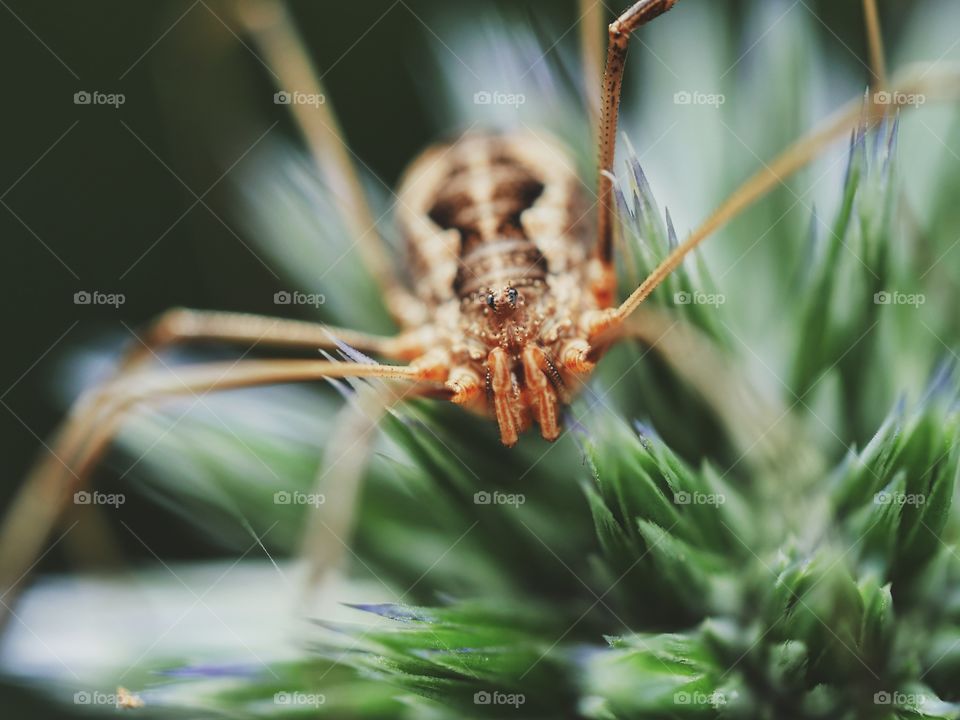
<point x="340" y="480"/>
<point x="924" y="79"/>
<point x="878" y="83"/>
<point x="180" y="325"/>
<point x="591" y="27"/>
<point x="878" y="66"/>
<point x="639" y="14"/>
<point x="274" y="33"/>
<point x="97" y="417"/>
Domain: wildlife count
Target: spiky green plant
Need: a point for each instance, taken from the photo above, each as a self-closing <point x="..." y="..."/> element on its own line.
<point x="662" y="559"/>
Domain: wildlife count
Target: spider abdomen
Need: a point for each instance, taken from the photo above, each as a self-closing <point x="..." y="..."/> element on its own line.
<point x="489" y="211"/>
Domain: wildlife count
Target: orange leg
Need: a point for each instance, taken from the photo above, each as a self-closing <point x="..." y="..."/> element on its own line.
<point x="619" y="34"/>
<point x="575" y="356"/>
<point x="464" y="383"/>
<point x="537" y="370"/>
<point x="506" y="396"/>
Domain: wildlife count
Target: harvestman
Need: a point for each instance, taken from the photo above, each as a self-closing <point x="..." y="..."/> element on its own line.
<point x="513" y="303"/>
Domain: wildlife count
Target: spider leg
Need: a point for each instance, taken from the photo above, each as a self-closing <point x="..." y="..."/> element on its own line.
<point x="878" y="66"/>
<point x="591" y="29"/>
<point x="507" y="405"/>
<point x="465" y="385"/>
<point x="326" y="540"/>
<point x="604" y="279"/>
<point x="181" y="325"/>
<point x="97" y="417"/>
<point x="576" y="357"/>
<point x="923" y="78"/>
<point x="274" y="33"/>
<point x="537" y="371"/>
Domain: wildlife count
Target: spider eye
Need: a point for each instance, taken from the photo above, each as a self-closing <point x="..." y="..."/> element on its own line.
<point x="512" y="295"/>
<point x="491" y="301"/>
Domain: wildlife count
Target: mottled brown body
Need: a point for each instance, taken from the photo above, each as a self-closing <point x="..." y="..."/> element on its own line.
<point x="499" y="241"/>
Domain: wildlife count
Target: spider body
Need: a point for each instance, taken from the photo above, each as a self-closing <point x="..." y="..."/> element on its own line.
<point x="500" y="256"/>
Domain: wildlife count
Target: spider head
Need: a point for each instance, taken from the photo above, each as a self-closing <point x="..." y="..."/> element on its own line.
<point x="508" y="315"/>
<point x="503" y="301"/>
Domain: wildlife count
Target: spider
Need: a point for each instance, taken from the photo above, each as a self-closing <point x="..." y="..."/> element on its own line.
<point x="514" y="300"/>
